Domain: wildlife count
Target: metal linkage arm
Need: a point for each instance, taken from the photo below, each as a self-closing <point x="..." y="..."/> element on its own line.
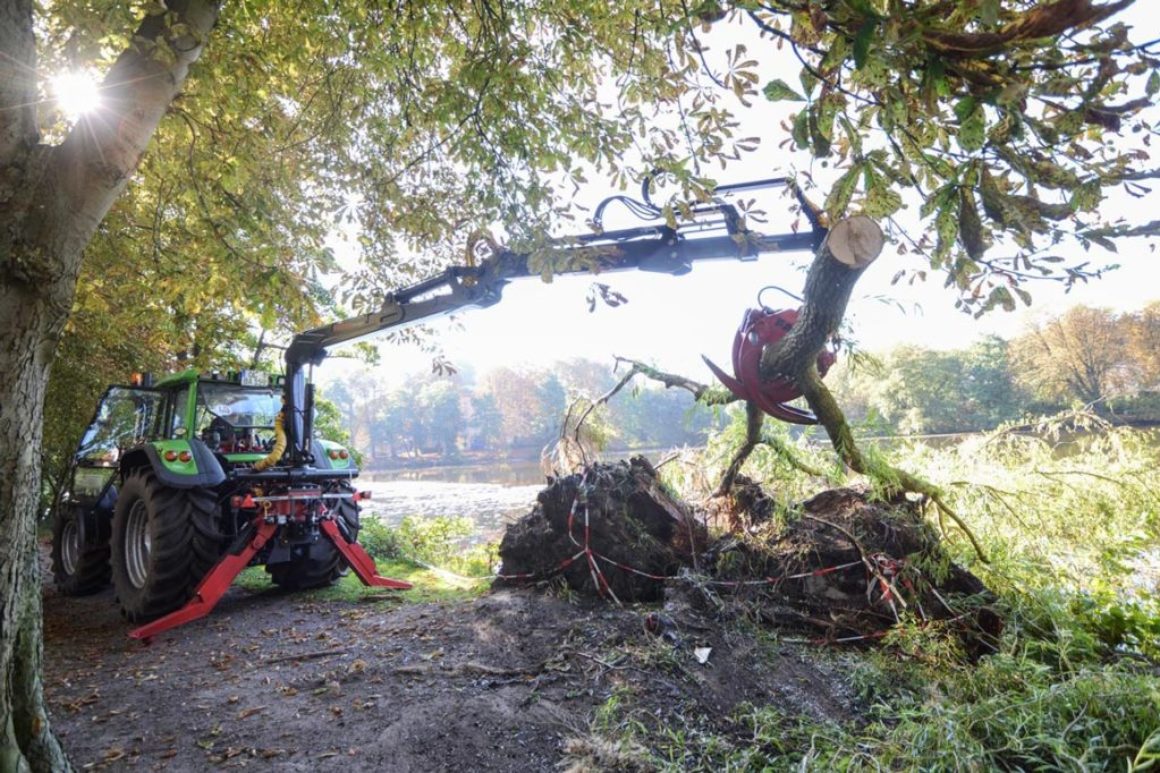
<point x="714" y="233"/>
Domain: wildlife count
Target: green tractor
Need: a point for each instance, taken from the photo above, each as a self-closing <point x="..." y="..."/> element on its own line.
<point x="165" y="479"/>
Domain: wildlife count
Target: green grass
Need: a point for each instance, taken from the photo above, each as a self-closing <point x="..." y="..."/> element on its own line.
<point x="423" y="552"/>
<point x="1071" y="525"/>
<point x="430" y="585"/>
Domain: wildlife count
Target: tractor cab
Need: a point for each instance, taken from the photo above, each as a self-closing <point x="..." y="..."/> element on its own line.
<point x="232" y="414"/>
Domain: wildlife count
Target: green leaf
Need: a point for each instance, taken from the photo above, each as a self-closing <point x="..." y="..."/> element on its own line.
<point x="809" y="81"/>
<point x="1001" y="296"/>
<point x="842" y="192"/>
<point x="801" y="129"/>
<point x="862" y="42"/>
<point x="1153" y="83"/>
<point x="881" y="200"/>
<point x="937" y="200"/>
<point x="854" y="136"/>
<point x="864" y="7"/>
<point x="822" y="123"/>
<point x="989" y="12"/>
<point x="778" y="90"/>
<point x="934" y="80"/>
<point x="971" y="234"/>
<point x="839" y="50"/>
<point x="947" y="226"/>
<point x="973" y="131"/>
<point x="964" y="107"/>
<point x="1102" y="241"/>
<point x="1069" y="123"/>
<point x="994" y="200"/>
<point x="1046" y="132"/>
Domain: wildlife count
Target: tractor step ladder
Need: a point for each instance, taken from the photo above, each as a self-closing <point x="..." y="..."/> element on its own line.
<point x="215" y="584"/>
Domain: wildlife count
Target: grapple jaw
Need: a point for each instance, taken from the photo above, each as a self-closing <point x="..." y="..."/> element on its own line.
<point x="760" y="328"/>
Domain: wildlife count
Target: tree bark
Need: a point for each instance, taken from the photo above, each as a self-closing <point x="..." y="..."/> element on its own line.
<point x="51" y="202"/>
<point x="24" y="360"/>
<point x="851" y="245"/>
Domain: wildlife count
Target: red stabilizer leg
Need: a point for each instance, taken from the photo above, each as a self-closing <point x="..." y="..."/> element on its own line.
<point x="359" y="560"/>
<point x="211" y="588"/>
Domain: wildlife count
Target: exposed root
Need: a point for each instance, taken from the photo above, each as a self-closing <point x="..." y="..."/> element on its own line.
<point x="894" y="480"/>
<point x="844" y="565"/>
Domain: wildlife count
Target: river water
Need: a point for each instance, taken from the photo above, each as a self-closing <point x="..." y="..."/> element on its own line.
<point x="491" y="496"/>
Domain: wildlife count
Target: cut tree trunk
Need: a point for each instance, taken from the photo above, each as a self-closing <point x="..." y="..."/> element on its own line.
<point x="851" y="245"/>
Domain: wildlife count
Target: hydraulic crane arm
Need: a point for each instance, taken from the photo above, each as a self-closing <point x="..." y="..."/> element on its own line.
<point x="713" y="233"/>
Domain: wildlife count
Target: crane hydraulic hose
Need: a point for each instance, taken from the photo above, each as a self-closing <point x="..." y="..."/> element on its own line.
<point x="279" y="447"/>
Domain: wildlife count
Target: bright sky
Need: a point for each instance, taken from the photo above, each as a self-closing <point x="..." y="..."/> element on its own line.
<point x="672" y="321"/>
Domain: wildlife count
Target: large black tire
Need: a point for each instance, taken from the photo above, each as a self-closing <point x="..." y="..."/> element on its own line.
<point x="80" y="566"/>
<point x="321" y="564"/>
<point x="164" y="542"/>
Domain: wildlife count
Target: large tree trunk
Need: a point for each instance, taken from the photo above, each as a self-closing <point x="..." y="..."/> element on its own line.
<point x="25" y="355"/>
<point x="51" y="201"/>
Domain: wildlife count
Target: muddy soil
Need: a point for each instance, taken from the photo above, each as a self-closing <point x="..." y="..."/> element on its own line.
<point x="500" y="683"/>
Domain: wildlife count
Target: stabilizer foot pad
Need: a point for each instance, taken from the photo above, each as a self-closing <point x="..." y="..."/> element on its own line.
<point x="359" y="560"/>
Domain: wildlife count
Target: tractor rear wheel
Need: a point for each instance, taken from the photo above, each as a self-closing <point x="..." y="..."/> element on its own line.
<point x="164" y="542"/>
<point x="80" y="564"/>
<point x="322" y="564"/>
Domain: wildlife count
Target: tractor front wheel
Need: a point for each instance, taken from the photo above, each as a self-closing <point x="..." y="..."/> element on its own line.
<point x="164" y="542"/>
<point x="80" y="564"/>
<point x="321" y="564"/>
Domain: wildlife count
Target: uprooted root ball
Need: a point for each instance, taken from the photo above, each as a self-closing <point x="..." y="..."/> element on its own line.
<point x="588" y="527"/>
<point x="850" y="568"/>
<point x="841" y="566"/>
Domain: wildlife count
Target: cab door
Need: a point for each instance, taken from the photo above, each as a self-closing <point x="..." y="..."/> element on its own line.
<point x="125" y="417"/>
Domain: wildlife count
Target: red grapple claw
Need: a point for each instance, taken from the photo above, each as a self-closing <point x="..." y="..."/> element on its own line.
<point x="760" y="328"/>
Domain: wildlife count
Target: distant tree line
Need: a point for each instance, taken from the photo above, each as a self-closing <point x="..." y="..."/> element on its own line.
<point x="1094" y="357"/>
<point x="507" y="410"/>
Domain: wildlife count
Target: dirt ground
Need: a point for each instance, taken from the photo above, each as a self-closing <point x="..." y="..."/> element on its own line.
<point x="498" y="683"/>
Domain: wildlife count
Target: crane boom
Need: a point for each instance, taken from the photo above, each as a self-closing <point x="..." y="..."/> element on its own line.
<point x="714" y="232"/>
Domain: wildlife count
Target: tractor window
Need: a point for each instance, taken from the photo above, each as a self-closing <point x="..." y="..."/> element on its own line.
<point x="177" y="403"/>
<point x="238" y="406"/>
<point x="236" y="419"/>
<point x="124" y="418"/>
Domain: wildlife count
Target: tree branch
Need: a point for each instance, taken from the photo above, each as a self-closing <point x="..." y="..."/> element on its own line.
<point x="754" y="418"/>
<point x="702" y="393"/>
<point x="1148" y="229"/>
<point x="17" y="86"/>
<point x="85" y="174"/>
<point x="1042" y="21"/>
